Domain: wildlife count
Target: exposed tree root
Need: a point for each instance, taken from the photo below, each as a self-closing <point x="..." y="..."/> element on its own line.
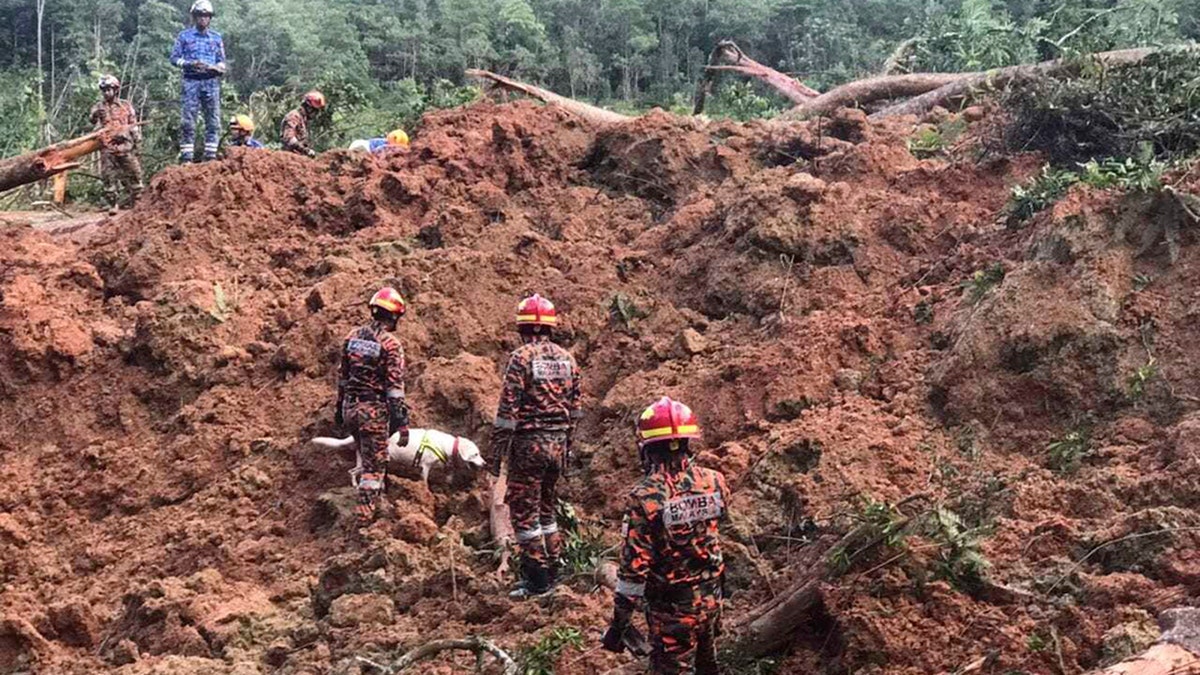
<point x="480" y="647"/>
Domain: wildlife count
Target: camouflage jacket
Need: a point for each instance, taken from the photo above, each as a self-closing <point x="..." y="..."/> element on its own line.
<point x="114" y="115"/>
<point x="541" y="389"/>
<point x="293" y="132"/>
<point x="670" y="530"/>
<point x="372" y="365"/>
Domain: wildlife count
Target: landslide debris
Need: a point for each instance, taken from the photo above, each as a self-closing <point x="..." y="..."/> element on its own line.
<point x="801" y="286"/>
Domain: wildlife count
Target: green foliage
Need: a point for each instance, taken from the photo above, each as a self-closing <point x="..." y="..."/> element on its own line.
<point x="541" y="657"/>
<point x="1152" y="107"/>
<point x="1039" y="193"/>
<point x="1136" y="383"/>
<point x="1127" y="174"/>
<point x="741" y="101"/>
<point x="583" y="543"/>
<point x="1066" y="454"/>
<point x="1035" y="643"/>
<point x="737" y="664"/>
<point x="982" y="282"/>
<point x="622" y="309"/>
<point x="959" y="559"/>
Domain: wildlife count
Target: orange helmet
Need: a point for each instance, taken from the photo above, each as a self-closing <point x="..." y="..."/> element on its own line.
<point x="388" y="298"/>
<point x="536" y="311"/>
<point x="667" y="419"/>
<point x="315" y="99"/>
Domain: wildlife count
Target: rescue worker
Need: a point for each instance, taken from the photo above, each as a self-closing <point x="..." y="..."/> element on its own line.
<point x="294" y="129"/>
<point x="539" y="408"/>
<point x="241" y="133"/>
<point x="119" y="164"/>
<point x="671" y="559"/>
<point x="370" y="399"/>
<point x="397" y="139"/>
<point x="200" y="53"/>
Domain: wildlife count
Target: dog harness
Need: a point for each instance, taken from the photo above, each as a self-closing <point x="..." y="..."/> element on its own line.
<point x="425" y="444"/>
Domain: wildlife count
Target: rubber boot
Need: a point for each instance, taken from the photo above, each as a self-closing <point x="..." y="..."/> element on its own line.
<point x="185" y="158"/>
<point x="536" y="582"/>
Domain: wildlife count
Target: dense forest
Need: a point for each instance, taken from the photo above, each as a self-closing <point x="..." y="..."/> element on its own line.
<point x="383" y="62"/>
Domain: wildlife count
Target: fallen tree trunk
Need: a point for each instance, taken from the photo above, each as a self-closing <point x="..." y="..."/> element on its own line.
<point x="479" y="646"/>
<point x="41" y="164"/>
<point x="728" y="57"/>
<point x="861" y="92"/>
<point x="584" y="111"/>
<point x="971" y="84"/>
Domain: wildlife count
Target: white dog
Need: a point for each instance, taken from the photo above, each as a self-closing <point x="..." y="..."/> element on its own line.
<point x="426" y="448"/>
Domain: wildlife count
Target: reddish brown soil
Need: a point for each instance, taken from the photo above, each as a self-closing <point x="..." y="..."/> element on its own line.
<point x="799" y="285"/>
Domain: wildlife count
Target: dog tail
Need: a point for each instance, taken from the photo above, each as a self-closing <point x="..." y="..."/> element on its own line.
<point x="327" y="442"/>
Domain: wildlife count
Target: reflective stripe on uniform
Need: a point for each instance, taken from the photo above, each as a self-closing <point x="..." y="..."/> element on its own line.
<point x="630" y="589"/>
<point x="505" y="423"/>
<point x="537" y="317"/>
<point x="395" y="393"/>
<point x="664" y="431"/>
<point x="529" y="535"/>
<point x="370" y="484"/>
<point x="552" y="528"/>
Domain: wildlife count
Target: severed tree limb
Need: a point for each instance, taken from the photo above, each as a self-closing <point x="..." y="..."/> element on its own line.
<point x="972" y="84"/>
<point x="48" y="161"/>
<point x="476" y="645"/>
<point x="584" y="111"/>
<point x="500" y="521"/>
<point x="861" y="92"/>
<point x="728" y="57"/>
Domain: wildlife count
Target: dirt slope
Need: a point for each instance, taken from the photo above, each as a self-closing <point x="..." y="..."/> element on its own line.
<point x="800" y="285"/>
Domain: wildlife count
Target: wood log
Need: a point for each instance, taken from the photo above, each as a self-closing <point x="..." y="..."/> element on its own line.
<point x="584" y="111"/>
<point x="44" y="163"/>
<point x="862" y="92"/>
<point x="728" y="57"/>
<point x="973" y="84"/>
<point x="500" y="521"/>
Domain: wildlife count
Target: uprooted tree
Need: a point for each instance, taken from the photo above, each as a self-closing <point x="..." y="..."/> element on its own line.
<point x="884" y="96"/>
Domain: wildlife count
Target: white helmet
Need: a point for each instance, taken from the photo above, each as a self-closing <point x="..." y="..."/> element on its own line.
<point x="202" y="7"/>
<point x="361" y="145"/>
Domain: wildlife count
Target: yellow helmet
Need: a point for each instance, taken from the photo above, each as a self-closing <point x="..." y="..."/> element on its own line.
<point x="398" y="137"/>
<point x="241" y="123"/>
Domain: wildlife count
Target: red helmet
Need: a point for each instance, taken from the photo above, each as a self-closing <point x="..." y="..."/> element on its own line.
<point x="536" y="311"/>
<point x="667" y="419"/>
<point x="389" y="299"/>
<point x="315" y="99"/>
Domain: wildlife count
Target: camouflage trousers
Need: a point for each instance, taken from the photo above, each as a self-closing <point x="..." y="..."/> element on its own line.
<point x="683" y="638"/>
<point x="120" y="170"/>
<point x="368" y="421"/>
<point x="534" y="467"/>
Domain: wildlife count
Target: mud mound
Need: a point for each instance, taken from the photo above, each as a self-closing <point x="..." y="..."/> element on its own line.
<point x="801" y="284"/>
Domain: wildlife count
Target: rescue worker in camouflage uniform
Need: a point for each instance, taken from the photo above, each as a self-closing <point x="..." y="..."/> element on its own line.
<point x="539" y="408"/>
<point x="293" y="131"/>
<point x="370" y="401"/>
<point x="671" y="559"/>
<point x="200" y="54"/>
<point x="119" y="164"/>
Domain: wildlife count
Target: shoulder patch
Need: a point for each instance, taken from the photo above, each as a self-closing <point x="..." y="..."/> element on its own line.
<point x="693" y="509"/>
<point x="360" y="347"/>
<point x="551" y="370"/>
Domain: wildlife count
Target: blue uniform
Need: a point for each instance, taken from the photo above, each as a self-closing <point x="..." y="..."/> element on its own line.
<point x="196" y="52"/>
<point x="377" y="144"/>
<point x="250" y="142"/>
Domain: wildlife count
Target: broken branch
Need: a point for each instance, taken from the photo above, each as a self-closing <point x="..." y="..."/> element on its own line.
<point x="584" y="111"/>
<point x="726" y="56"/>
<point x="475" y="645"/>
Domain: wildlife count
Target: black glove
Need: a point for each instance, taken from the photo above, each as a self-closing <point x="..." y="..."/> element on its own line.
<point x="501" y="442"/>
<point x="612" y="639"/>
<point x="397" y="415"/>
